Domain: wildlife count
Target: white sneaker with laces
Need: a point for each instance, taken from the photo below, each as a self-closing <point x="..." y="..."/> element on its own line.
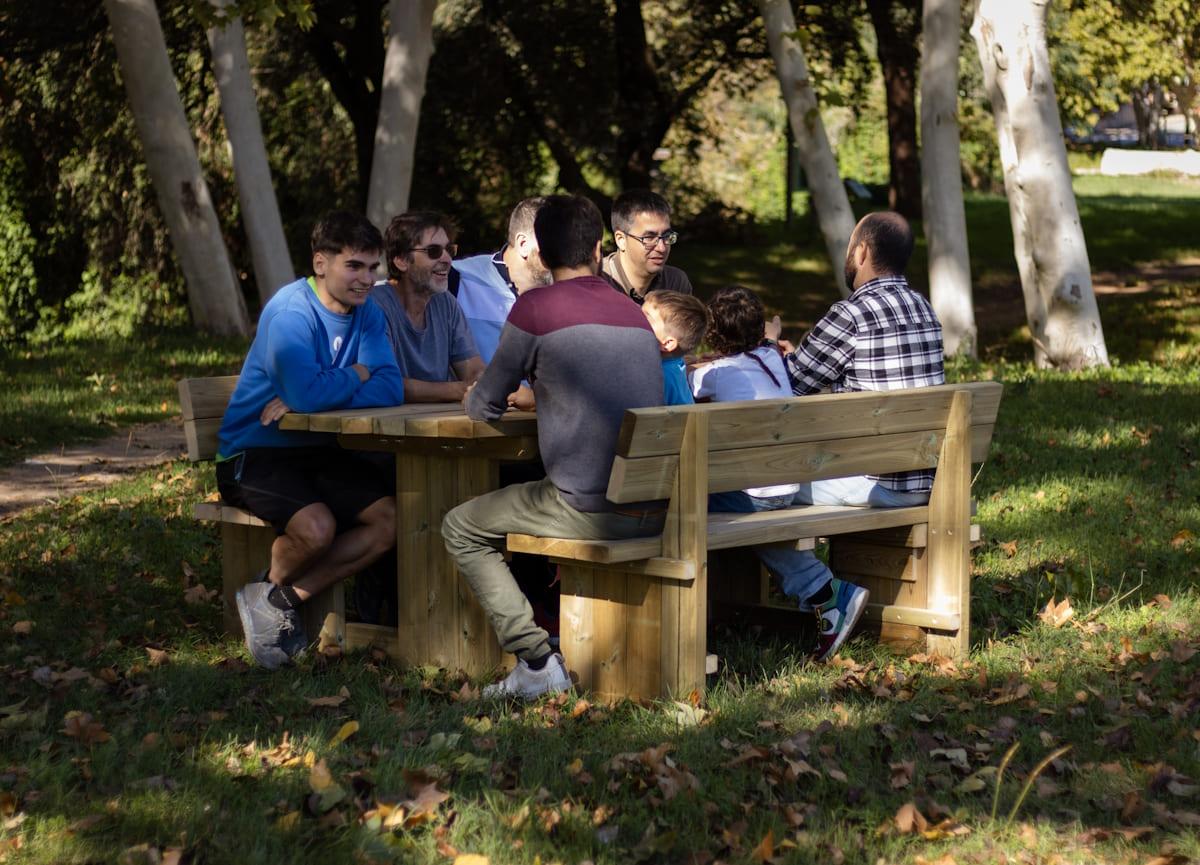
<point x="527" y="683"/>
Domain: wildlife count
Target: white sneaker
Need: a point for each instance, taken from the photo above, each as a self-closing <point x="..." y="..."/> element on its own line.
<point x="526" y="683"/>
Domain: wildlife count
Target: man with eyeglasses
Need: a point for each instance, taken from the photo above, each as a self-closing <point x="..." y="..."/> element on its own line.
<point x="427" y="329"/>
<point x="641" y="226"/>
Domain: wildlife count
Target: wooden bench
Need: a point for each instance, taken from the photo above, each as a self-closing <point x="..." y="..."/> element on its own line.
<point x="634" y="612"/>
<point x="245" y="539"/>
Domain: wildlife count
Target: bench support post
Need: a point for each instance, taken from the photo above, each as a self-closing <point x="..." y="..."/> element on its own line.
<point x="949" y="543"/>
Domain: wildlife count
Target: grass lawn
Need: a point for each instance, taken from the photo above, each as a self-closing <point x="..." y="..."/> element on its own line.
<point x="133" y="731"/>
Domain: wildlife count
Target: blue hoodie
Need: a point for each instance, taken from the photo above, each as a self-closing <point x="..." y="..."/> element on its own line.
<point x="290" y="359"/>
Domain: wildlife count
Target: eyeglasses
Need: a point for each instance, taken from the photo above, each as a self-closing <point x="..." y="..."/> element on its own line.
<point x="649" y="241"/>
<point x="435" y="250"/>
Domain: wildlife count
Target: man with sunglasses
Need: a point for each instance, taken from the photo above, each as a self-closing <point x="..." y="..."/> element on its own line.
<point x="428" y="331"/>
<point x="641" y="226"/>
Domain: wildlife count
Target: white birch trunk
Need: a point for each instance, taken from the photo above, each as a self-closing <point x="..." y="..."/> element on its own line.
<point x="214" y="295"/>
<point x="410" y="44"/>
<point x="820" y="167"/>
<point x="256" y="194"/>
<point x="1056" y="278"/>
<point x="945" y="221"/>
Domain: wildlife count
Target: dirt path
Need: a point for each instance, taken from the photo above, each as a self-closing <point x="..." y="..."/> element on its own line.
<point x="61" y="474"/>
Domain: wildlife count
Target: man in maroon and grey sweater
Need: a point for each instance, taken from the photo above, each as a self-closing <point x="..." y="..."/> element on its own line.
<point x="590" y="354"/>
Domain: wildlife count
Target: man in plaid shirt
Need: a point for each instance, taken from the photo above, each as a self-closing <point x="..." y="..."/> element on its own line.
<point x="885" y="336"/>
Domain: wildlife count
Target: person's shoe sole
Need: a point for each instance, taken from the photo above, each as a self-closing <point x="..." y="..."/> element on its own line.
<point x="853" y="614"/>
<point x="244" y="615"/>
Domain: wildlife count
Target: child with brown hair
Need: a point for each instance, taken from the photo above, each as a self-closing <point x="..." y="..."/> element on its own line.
<point x="679" y="321"/>
<point x="747" y="369"/>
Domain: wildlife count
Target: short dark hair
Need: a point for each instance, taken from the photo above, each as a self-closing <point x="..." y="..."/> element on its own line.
<point x="685" y="315"/>
<point x="567" y="228"/>
<point x="404" y="234"/>
<point x="520" y="221"/>
<point x="738" y="320"/>
<point x="889" y="239"/>
<point x="631" y="202"/>
<point x="344" y="229"/>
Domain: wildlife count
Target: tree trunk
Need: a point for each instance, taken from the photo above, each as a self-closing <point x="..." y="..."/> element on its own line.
<point x="213" y="293"/>
<point x="897" y="26"/>
<point x="410" y="45"/>
<point x="941" y="179"/>
<point x="1048" y="238"/>
<point x="825" y="184"/>
<point x="260" y="210"/>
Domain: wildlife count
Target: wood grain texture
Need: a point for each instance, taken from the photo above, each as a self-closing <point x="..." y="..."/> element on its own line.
<point x="205" y="397"/>
<point x="949" y="529"/>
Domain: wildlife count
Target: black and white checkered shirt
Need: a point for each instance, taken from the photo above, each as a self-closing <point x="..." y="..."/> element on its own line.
<point x="885" y="336"/>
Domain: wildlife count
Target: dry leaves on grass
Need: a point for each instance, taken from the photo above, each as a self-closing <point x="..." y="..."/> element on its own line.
<point x="670" y="778"/>
<point x="199" y="594"/>
<point x="84" y="729"/>
<point x="1057" y="615"/>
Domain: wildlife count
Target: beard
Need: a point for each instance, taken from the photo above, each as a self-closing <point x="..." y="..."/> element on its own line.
<point x="850" y="269"/>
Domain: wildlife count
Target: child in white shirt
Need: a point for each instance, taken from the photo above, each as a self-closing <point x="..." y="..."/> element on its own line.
<point x="747" y="370"/>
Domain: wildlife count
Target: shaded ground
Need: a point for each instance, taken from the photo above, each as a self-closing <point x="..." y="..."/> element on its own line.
<point x="60" y="474"/>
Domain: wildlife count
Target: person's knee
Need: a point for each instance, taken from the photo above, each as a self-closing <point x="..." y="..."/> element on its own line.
<point x="382" y="520"/>
<point x="313" y="528"/>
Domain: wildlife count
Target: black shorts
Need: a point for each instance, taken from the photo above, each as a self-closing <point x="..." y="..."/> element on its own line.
<point x="275" y="483"/>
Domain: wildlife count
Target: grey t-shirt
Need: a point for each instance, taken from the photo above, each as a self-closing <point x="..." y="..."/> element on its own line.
<point x="426" y="354"/>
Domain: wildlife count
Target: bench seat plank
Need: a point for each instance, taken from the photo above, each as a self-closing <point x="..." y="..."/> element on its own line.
<point x="730" y="530"/>
<point x="219" y="512"/>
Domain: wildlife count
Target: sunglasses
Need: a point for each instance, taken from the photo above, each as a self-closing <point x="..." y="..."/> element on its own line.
<point x="435" y="250"/>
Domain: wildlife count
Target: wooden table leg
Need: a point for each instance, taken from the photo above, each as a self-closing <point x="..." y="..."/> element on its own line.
<point x="440" y="622"/>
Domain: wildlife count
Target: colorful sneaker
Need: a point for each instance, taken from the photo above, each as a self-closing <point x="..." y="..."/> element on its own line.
<point x="527" y="683"/>
<point x="273" y="636"/>
<point x="837" y="617"/>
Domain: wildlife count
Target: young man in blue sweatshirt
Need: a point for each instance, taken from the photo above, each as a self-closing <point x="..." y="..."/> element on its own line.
<point x="320" y="345"/>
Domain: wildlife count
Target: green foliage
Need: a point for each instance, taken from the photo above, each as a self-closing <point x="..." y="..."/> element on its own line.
<point x="18" y="251"/>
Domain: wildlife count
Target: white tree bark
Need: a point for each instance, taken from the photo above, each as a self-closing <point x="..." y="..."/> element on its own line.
<point x="260" y="209"/>
<point x="945" y="221"/>
<point x="410" y="44"/>
<point x="1048" y="239"/>
<point x="213" y="293"/>
<point x="820" y="167"/>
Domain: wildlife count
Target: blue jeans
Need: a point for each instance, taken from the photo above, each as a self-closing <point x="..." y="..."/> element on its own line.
<point x="801" y="574"/>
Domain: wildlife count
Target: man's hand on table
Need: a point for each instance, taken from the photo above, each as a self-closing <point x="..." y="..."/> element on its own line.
<point x="467" y="393"/>
<point x="273" y="411"/>
<point x="522" y="399"/>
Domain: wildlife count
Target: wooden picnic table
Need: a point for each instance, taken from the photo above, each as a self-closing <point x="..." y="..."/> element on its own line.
<point x="443" y="458"/>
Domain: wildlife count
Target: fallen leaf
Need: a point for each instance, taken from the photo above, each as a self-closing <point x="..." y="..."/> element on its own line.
<point x="909" y="820"/>
<point x="158" y="657"/>
<point x="471" y="859"/>
<point x="79" y="725"/>
<point x="901" y="774"/>
<point x="347" y="730"/>
<point x="1181" y="538"/>
<point x="1057" y="615"/>
<point x="23" y="628"/>
<point x="765" y="851"/>
<point x="288" y="821"/>
<point x="1009" y="548"/>
<point x="198" y="594"/>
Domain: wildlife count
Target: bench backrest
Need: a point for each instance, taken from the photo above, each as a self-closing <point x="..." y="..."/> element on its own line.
<point x="203" y="402"/>
<point x="797" y="439"/>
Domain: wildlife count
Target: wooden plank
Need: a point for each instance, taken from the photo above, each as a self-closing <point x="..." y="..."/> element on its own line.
<point x="908" y="536"/>
<point x="791" y="420"/>
<point x="731" y="530"/>
<point x="685" y="616"/>
<point x="873" y="560"/>
<point x="649" y="478"/>
<point x="441" y="599"/>
<point x="643" y="640"/>
<point x="918" y="616"/>
<point x="478" y="648"/>
<point x="676" y="570"/>
<point x="205" y="397"/>
<point x="360" y="635"/>
<point x="223" y="513"/>
<point x="949" y="531"/>
<point x="610" y="627"/>
<point x="202" y="438"/>
<point x="245" y="551"/>
<point x="412" y="533"/>
<point x="575" y="622"/>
